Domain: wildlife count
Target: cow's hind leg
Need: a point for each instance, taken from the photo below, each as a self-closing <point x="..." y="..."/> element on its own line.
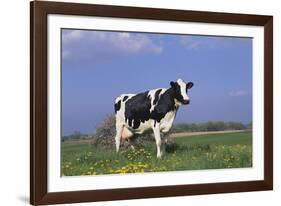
<point x="119" y="130"/>
<point x="157" y="136"/>
<point x="132" y="142"/>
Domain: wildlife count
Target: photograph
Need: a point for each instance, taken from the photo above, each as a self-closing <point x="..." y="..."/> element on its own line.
<point x="140" y="102"/>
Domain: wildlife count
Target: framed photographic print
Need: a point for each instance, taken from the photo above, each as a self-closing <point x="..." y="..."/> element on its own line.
<point x="131" y="102"/>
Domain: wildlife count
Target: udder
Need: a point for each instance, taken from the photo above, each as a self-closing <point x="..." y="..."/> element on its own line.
<point x="126" y="133"/>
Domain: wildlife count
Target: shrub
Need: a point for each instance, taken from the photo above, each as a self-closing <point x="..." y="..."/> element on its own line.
<point x="171" y="146"/>
<point x="143" y="140"/>
<point x="105" y="132"/>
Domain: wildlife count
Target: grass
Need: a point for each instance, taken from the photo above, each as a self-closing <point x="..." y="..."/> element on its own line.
<point x="213" y="151"/>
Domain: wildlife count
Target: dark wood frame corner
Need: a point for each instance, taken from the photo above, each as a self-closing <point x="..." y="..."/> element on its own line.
<point x="38" y="102"/>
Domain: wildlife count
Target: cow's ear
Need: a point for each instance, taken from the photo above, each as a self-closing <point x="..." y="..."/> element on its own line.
<point x="189" y="85"/>
<point x="173" y="84"/>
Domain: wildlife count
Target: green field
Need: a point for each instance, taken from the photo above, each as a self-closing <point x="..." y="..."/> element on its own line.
<point x="208" y="151"/>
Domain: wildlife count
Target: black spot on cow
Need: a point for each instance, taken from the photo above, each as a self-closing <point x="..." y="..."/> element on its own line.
<point x="137" y="109"/>
<point x="117" y="106"/>
<point x="124" y="98"/>
<point x="157" y="94"/>
<point x="165" y="104"/>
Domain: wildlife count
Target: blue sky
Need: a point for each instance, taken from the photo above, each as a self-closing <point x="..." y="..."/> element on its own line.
<point x="98" y="66"/>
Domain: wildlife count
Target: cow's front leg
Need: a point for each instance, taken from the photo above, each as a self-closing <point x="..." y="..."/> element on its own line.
<point x="157" y="136"/>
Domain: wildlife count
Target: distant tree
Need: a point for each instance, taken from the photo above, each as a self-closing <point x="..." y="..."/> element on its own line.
<point x="76" y="135"/>
<point x="237" y="126"/>
<point x="249" y="126"/>
<point x="207" y="126"/>
<point x="64" y="138"/>
<point x="193" y="127"/>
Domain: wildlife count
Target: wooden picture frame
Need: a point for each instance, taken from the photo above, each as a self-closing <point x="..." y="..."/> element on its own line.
<point x="39" y="95"/>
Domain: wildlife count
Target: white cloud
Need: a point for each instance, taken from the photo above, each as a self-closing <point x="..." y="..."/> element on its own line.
<point x="72" y="36"/>
<point x="190" y="43"/>
<point x="210" y="42"/>
<point x="238" y="93"/>
<point x="133" y="43"/>
<point x="99" y="42"/>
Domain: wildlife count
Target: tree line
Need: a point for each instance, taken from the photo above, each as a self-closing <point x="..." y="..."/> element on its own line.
<point x="76" y="135"/>
<point x="209" y="126"/>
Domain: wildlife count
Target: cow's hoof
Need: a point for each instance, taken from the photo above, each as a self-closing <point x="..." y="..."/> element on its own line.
<point x="159" y="155"/>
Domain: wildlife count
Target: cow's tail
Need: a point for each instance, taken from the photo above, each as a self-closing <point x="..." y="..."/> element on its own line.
<point x="117" y="104"/>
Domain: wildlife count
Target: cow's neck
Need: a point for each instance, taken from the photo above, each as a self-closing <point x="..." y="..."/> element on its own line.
<point x="174" y="101"/>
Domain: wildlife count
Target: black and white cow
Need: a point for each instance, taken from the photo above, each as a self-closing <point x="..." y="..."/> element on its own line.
<point x="155" y="109"/>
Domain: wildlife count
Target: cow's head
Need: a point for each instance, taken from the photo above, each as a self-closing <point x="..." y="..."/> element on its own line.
<point x="180" y="90"/>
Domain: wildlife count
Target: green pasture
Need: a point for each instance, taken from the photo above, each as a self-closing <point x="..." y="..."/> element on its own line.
<point x="209" y="151"/>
